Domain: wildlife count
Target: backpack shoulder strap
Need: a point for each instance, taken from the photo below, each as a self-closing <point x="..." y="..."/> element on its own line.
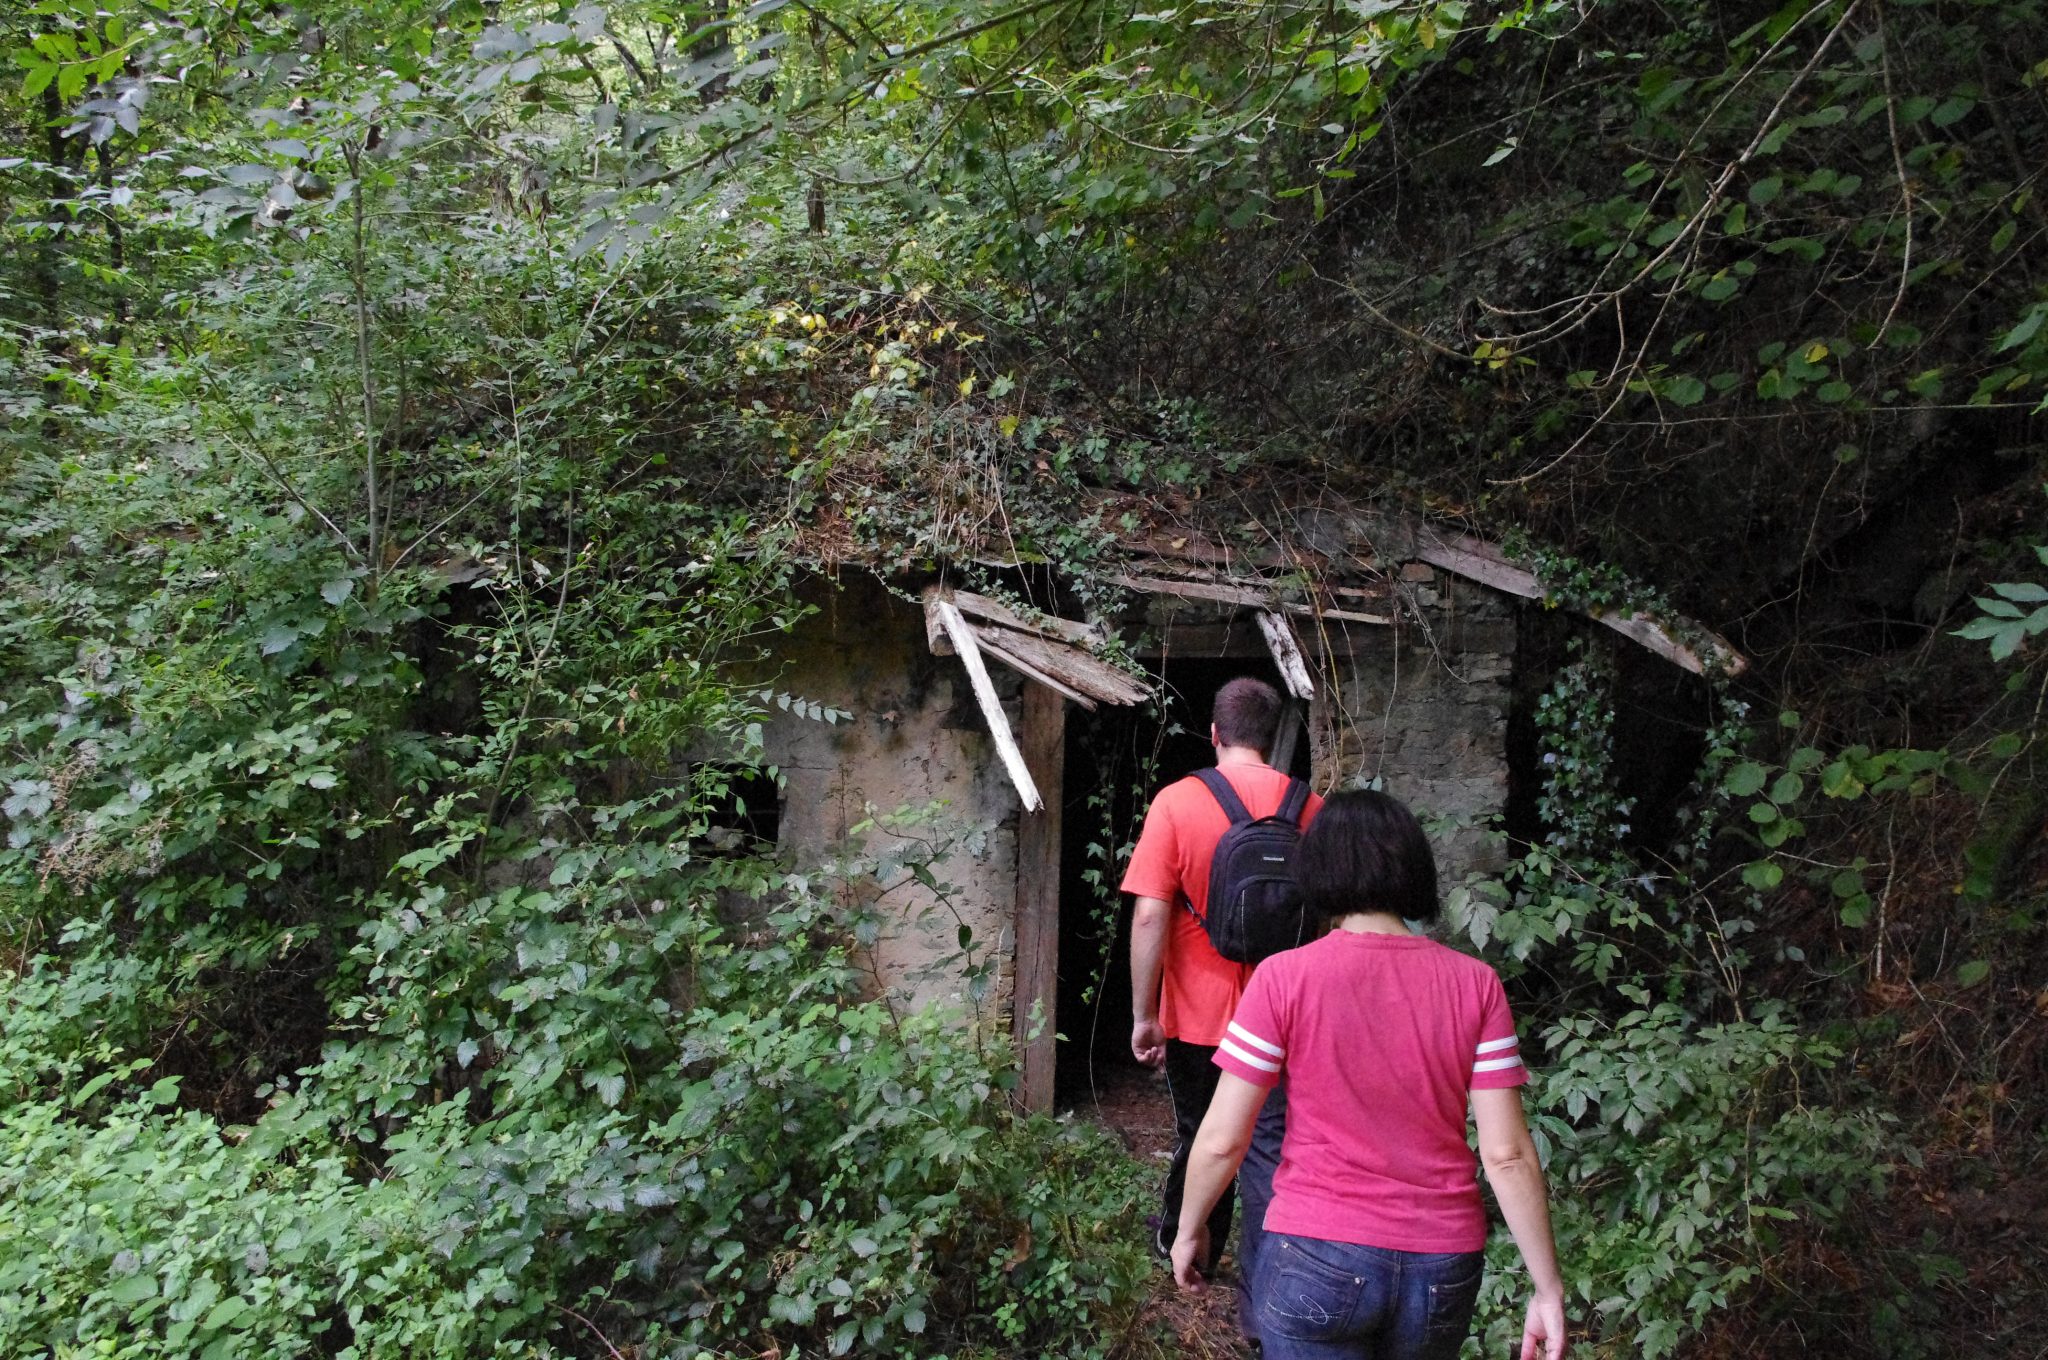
<point x="1226" y="797"/>
<point x="1295" y="803"/>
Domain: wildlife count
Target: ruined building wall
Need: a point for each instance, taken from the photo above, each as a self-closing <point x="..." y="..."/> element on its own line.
<point x="915" y="739"/>
<point x="1422" y="708"/>
<point x="1419" y="707"/>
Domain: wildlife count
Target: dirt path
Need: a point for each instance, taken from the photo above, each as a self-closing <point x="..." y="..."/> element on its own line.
<point x="1132" y="1102"/>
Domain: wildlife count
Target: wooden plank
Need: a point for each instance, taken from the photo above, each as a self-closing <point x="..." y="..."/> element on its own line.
<point x="1226" y="593"/>
<point x="1194" y="590"/>
<point x="1045" y="625"/>
<point x="1071" y="666"/>
<point x="963" y="641"/>
<point x="1476" y="560"/>
<point x="1310" y="611"/>
<point x="1286" y="649"/>
<point x="935" y="629"/>
<point x="991" y="640"/>
<point x="1284" y="741"/>
<point x="1037" y="982"/>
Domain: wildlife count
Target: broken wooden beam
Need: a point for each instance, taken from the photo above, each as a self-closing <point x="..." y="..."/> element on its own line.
<point x="1044" y="625"/>
<point x="962" y="638"/>
<point x="1286" y="649"/>
<point x="1055" y="653"/>
<point x="995" y="611"/>
<point x="1071" y="666"/>
<point x="1227" y="593"/>
<point x="1476" y="560"/>
<point x="992" y="642"/>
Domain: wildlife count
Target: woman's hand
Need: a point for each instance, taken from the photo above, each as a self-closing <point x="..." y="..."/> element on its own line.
<point x="1189" y="1254"/>
<point x="1543" y="1333"/>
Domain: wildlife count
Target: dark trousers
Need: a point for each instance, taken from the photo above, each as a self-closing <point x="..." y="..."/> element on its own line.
<point x="1191" y="1076"/>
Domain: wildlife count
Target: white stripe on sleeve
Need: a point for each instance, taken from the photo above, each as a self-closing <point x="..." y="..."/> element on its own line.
<point x="1255" y="1041"/>
<point x="1496" y="1064"/>
<point x="1248" y="1059"/>
<point x="1492" y="1045"/>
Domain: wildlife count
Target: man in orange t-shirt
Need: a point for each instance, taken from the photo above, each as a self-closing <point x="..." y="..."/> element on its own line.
<point x="1182" y="991"/>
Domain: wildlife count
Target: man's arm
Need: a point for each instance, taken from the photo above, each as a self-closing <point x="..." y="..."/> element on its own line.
<point x="1149" y="925"/>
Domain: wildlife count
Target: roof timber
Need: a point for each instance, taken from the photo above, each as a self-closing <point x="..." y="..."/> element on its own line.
<point x="1335" y="544"/>
<point x="1477" y="560"/>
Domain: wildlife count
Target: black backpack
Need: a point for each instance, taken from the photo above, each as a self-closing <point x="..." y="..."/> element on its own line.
<point x="1255" y="906"/>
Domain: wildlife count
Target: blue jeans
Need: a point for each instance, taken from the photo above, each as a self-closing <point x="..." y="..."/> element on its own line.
<point x="1335" y="1301"/>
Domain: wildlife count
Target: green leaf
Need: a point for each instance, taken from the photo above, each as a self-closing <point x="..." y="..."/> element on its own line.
<point x="38" y="79"/>
<point x="2028" y="328"/>
<point x="1972" y="973"/>
<point x="1763" y="874"/>
<point x="1685" y="390"/>
<point x="1951" y="110"/>
<point x="1766" y="190"/>
<point x="130" y="1289"/>
<point x="1840" y="781"/>
<point x="1787" y="788"/>
<point x="225" y="1313"/>
<point x="1746" y="779"/>
<point x="2026" y="592"/>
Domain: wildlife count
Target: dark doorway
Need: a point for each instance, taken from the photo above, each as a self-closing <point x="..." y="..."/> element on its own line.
<point x="1116" y="759"/>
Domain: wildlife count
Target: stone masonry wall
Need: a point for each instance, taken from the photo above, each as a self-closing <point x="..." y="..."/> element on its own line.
<point x="1422" y="709"/>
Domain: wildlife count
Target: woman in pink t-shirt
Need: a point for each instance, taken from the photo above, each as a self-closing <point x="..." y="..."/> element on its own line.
<point x="1375" y="1231"/>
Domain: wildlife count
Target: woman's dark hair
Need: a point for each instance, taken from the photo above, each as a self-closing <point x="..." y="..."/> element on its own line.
<point x="1247" y="713"/>
<point x="1366" y="852"/>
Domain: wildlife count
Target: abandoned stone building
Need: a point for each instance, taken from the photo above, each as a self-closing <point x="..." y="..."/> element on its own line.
<point x="1024" y="736"/>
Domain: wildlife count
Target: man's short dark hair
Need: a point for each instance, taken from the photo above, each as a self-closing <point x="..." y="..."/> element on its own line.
<point x="1366" y="852"/>
<point x="1247" y="713"/>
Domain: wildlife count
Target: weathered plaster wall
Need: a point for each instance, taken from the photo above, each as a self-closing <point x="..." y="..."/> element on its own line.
<point x="1423" y="707"/>
<point x="915" y="739"/>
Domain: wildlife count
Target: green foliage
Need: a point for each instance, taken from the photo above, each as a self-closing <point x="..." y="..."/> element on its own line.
<point x="802" y="1165"/>
<point x="408" y="417"/>
<point x="2005" y="622"/>
<point x="1669" y="1107"/>
<point x="382" y="660"/>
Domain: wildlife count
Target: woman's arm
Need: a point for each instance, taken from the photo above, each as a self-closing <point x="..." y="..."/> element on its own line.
<point x="1219" y="1146"/>
<point x="1509" y="1155"/>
